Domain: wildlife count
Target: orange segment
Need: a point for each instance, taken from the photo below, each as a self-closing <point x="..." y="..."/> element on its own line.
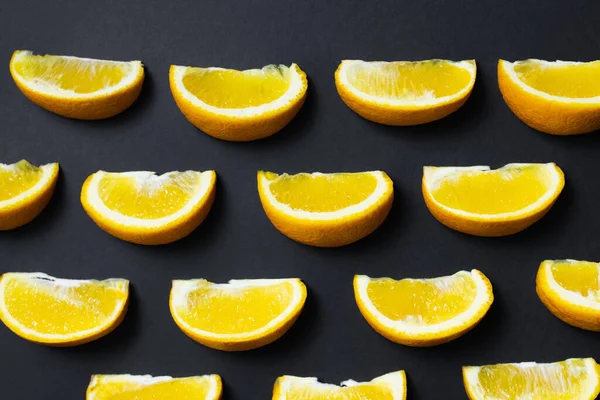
<point x="578" y="276"/>
<point x="579" y="80"/>
<point x="245" y="309"/>
<point x="321" y="192"/>
<point x="18" y="178"/>
<point x="422" y="301"/>
<point x="227" y="88"/>
<point x="493" y="192"/>
<point x="421" y="80"/>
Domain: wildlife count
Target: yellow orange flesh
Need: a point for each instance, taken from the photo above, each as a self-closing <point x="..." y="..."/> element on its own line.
<point x="363" y="391"/>
<point x="557" y="381"/>
<point x="424" y="301"/>
<point x="561" y="79"/>
<point x="493" y="192"/>
<point x="227" y="88"/>
<point x="17" y="178"/>
<point x="419" y="80"/>
<point x="578" y="276"/>
<point x="71" y="74"/>
<point x="322" y="193"/>
<point x="235" y="310"/>
<point x="180" y="389"/>
<point x="150" y="197"/>
<point x="48" y="308"/>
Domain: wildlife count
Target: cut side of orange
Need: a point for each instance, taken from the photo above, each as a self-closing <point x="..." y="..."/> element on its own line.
<point x="555" y="97"/>
<point x="139" y="387"/>
<point x="405" y="92"/>
<point x="25" y="191"/>
<point x="61" y="312"/>
<point x="484" y="202"/>
<point x="570" y="289"/>
<point x="74" y="87"/>
<point x="573" y="379"/>
<point x="239" y="105"/>
<point x="145" y="208"/>
<point x="239" y="315"/>
<point x="424" y="312"/>
<point x="326" y="210"/>
<point x="391" y="386"/>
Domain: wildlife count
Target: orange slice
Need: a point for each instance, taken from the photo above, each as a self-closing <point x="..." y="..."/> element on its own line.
<point x="239" y="105"/>
<point x="74" y="87"/>
<point x="240" y="315"/>
<point x="424" y="312"/>
<point x="484" y="202"/>
<point x="405" y="92"/>
<point x="145" y="208"/>
<point x="61" y="312"/>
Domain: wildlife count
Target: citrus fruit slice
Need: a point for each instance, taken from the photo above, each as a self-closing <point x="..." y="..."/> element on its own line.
<point x="573" y="379"/>
<point x="240" y="315"/>
<point x="25" y="191"/>
<point x="239" y="105"/>
<point x="391" y="386"/>
<point x="326" y="210"/>
<point x="484" y="202"/>
<point x="405" y="92"/>
<point x="424" y="312"/>
<point x="145" y="208"/>
<point x="80" y="88"/>
<point x="560" y="98"/>
<point x="570" y="289"/>
<point x="137" y="387"/>
<point x="61" y="312"/>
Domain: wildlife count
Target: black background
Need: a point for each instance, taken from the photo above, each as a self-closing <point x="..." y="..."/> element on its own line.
<point x="330" y="340"/>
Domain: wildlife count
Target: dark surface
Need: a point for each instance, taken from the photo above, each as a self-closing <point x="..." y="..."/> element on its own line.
<point x="330" y="340"/>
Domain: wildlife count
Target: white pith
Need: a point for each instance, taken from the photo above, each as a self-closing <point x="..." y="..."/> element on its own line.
<point x="97" y="204"/>
<point x="48" y="174"/>
<point x="433" y="176"/>
<point x="383" y="186"/>
<point x="395" y="381"/>
<point x="147" y="380"/>
<point x="296" y="87"/>
<point x="346" y="64"/>
<point x="409" y="328"/>
<point x="48" y="89"/>
<point x="182" y="288"/>
<point x="509" y="67"/>
<point x="568" y="296"/>
<point x="65" y="283"/>
<point x="471" y="377"/>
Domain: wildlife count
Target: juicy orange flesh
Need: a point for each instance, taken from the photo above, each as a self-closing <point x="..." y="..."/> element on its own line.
<point x="51" y="308"/>
<point x="578" y="276"/>
<point x="148" y="197"/>
<point x="493" y="192"/>
<point x="17" y="178"/>
<point x="228" y="88"/>
<point x="423" y="301"/>
<point x="235" y="310"/>
<point x="363" y="391"/>
<point x="322" y="193"/>
<point x="176" y="389"/>
<point x="73" y="74"/>
<point x="575" y="81"/>
<point x="420" y="80"/>
<point x="557" y="381"/>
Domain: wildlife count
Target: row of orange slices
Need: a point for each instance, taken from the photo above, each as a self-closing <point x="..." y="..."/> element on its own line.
<point x="246" y="314"/>
<point x="560" y="98"/>
<point x="573" y="379"/>
<point x="325" y="210"/>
